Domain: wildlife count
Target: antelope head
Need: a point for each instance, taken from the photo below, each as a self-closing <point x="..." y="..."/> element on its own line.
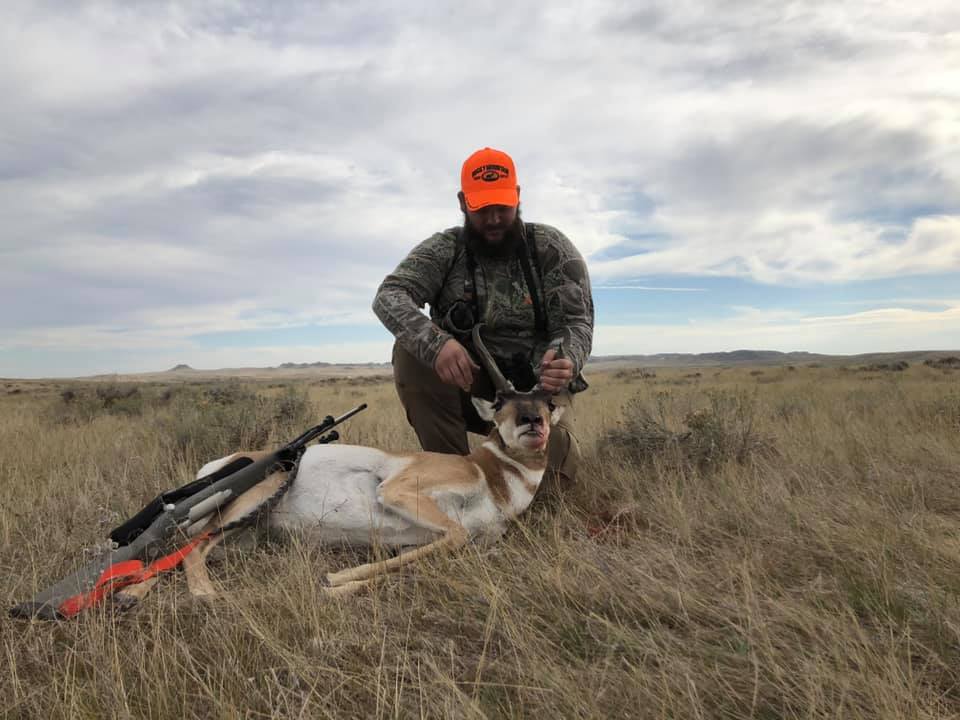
<point x="523" y="419"/>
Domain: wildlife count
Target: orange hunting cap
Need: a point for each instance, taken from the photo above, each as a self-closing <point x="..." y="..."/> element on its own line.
<point x="489" y="178"/>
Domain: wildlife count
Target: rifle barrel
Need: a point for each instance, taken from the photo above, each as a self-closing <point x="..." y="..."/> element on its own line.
<point x="328" y="424"/>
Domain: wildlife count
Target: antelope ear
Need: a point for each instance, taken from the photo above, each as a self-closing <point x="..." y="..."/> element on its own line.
<point x="556" y="413"/>
<point x="484" y="408"/>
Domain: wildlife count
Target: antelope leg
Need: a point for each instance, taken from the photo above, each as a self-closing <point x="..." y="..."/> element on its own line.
<point x="126" y="597"/>
<point x="195" y="564"/>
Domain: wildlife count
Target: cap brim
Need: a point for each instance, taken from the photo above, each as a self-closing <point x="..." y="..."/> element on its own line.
<point x="500" y="196"/>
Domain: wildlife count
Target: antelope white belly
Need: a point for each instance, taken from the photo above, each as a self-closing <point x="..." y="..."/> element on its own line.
<point x="334" y="499"/>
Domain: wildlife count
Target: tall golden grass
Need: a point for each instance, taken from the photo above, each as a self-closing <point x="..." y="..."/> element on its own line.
<point x="768" y="544"/>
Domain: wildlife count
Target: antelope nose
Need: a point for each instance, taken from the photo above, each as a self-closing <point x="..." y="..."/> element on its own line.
<point x="531" y="420"/>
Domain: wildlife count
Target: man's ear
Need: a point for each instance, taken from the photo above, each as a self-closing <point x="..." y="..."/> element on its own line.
<point x="463" y="201"/>
<point x="484" y="408"/>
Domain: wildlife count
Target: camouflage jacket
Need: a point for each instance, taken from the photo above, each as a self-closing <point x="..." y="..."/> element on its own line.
<point x="434" y="271"/>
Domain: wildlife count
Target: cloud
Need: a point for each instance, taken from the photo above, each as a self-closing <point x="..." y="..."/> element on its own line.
<point x="648" y="288"/>
<point x="95" y="350"/>
<point x="802" y="247"/>
<point x="240" y="165"/>
<point x="885" y="329"/>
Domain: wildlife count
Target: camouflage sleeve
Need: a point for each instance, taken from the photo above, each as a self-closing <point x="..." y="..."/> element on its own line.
<point x="569" y="300"/>
<point x="416" y="281"/>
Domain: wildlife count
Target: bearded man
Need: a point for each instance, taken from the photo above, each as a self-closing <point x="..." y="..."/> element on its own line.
<point x="525" y="282"/>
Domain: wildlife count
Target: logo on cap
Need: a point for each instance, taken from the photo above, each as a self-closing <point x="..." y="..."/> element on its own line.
<point x="490" y="173"/>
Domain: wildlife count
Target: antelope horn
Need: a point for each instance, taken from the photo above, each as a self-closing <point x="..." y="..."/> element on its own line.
<point x="499" y="381"/>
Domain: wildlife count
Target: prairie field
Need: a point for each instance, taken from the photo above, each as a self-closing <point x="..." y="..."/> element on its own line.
<point x="770" y="542"/>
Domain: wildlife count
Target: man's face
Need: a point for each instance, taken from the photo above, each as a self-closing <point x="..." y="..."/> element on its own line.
<point x="491" y="222"/>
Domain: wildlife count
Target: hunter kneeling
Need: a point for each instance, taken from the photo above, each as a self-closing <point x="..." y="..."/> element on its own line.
<point x="525" y="282"/>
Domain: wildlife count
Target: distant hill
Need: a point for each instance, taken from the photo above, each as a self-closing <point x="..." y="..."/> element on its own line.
<point x="735" y="358"/>
<point x="765" y="357"/>
<point x="186" y="373"/>
<point x="307" y="366"/>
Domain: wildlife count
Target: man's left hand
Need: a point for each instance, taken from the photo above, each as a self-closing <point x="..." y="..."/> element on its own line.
<point x="555" y="373"/>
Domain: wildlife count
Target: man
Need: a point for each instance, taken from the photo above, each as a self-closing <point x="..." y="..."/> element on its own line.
<point x="529" y="286"/>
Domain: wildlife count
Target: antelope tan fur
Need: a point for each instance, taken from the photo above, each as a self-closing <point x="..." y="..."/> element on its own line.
<point x="347" y="494"/>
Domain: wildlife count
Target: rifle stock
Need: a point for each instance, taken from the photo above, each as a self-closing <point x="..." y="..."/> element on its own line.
<point x="45" y="605"/>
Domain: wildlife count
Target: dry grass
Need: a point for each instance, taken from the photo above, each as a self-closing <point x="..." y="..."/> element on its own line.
<point x="798" y="558"/>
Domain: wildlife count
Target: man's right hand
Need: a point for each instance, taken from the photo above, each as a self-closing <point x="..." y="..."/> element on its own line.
<point x="455" y="366"/>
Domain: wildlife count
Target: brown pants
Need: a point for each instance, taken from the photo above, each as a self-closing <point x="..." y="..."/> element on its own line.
<point x="441" y="415"/>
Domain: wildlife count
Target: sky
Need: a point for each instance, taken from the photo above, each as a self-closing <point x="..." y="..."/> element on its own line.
<point x="225" y="184"/>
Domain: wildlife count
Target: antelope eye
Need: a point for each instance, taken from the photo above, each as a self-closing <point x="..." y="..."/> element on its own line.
<point x="497" y="404"/>
<point x="551" y="406"/>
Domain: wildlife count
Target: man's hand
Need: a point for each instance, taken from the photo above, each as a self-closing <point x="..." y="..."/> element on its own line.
<point x="555" y="373"/>
<point x="454" y="365"/>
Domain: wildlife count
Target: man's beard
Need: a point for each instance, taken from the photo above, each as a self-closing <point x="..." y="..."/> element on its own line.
<point x="511" y="236"/>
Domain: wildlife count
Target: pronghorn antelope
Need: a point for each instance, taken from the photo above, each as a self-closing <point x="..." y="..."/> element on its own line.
<point x="362" y="496"/>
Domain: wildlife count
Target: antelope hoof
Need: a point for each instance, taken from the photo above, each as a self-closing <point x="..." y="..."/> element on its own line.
<point x="123" y="602"/>
<point x="203" y="594"/>
<point x="345" y="589"/>
<point x="342" y="577"/>
<point x="334" y="579"/>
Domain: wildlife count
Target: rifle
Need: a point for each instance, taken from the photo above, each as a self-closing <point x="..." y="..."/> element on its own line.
<point x="142" y="538"/>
